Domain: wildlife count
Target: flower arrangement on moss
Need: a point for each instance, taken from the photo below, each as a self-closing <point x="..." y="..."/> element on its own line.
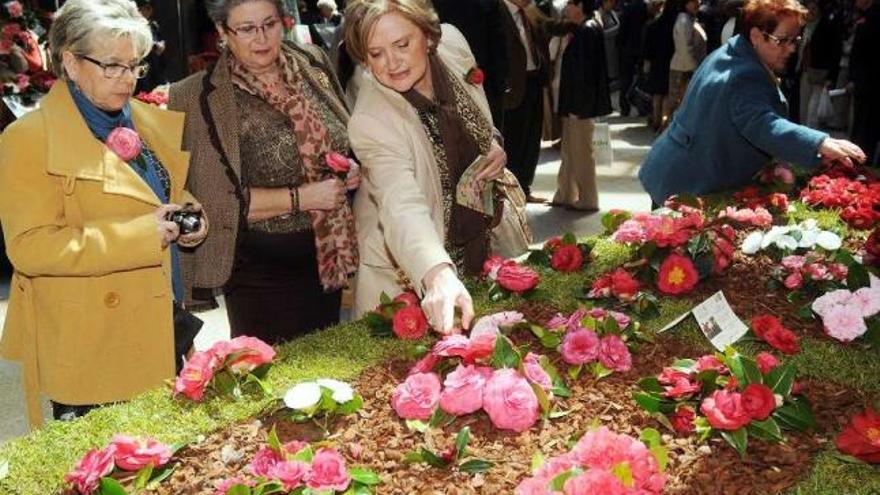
<point x="225" y="368"/>
<point x="137" y="462"/>
<point x="562" y="253"/>
<point x="297" y="468"/>
<point x="506" y="277"/>
<point x="790" y="238"/>
<point x="401" y="316"/>
<point x="769" y="328"/>
<point x="848" y="315"/>
<point x="487" y="373"/>
<point x="857" y="198"/>
<point x="677" y="275"/>
<point x="321" y="399"/>
<point x="727" y="393"/>
<point x="602" y="462"/>
<point x="861" y="437"/>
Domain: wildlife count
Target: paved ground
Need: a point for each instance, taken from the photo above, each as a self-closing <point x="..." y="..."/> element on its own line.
<point x="618" y="186"/>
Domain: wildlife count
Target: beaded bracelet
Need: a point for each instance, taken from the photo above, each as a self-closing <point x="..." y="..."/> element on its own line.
<point x="294" y="198"/>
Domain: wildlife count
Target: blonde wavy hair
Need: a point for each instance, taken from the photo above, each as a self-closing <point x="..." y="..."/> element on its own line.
<point x="361" y="16"/>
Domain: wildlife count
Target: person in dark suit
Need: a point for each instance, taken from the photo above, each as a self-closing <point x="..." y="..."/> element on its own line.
<point x="658" y="50"/>
<point x="629" y="46"/>
<point x="583" y="95"/>
<point x="864" y="73"/>
<point x="528" y="71"/>
<point x="480" y="22"/>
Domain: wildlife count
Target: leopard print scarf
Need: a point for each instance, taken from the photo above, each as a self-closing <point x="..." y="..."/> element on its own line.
<point x="335" y="237"/>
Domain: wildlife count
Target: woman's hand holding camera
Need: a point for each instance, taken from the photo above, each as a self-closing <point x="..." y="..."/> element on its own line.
<point x="325" y="195"/>
<point x="193" y="239"/>
<point x="168" y="230"/>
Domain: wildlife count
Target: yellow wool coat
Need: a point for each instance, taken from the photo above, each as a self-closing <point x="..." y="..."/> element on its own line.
<point x="89" y="312"/>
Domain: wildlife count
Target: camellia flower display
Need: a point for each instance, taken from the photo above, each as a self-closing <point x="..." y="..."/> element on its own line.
<point x="861" y="437"/>
<point x="298" y="468"/>
<point x="857" y="198"/>
<point x="401" y="316"/>
<point x="146" y="459"/>
<point x="562" y="253"/>
<point x="805" y="235"/>
<point x="506" y="277"/>
<point x="225" y="368"/>
<point x="602" y="462"/>
<point x="728" y="393"/>
<point x="770" y="329"/>
<point x="847" y="315"/>
<point x="324" y="398"/>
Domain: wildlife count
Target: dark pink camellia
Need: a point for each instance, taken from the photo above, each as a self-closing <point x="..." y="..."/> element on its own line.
<point x="683" y="420"/>
<point x="567" y="258"/>
<point x="517" y="278"/>
<point x="681" y="387"/>
<point x="671" y="375"/>
<point x="337" y="162"/>
<point x="613" y="353"/>
<point x="87" y="473"/>
<point x="290" y="473"/>
<point x="710" y="362"/>
<point x="766" y="362"/>
<point x="125" y="143"/>
<point x="329" y="471"/>
<point x="409" y="323"/>
<point x="580" y="347"/>
<point x="758" y="400"/>
<point x="417" y="397"/>
<point x="264" y="462"/>
<point x="725" y="410"/>
<point x="134" y="454"/>
<point x="535" y="373"/>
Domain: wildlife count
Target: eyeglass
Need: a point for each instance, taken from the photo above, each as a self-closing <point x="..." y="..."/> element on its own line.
<point x="793" y="40"/>
<point x="115" y="71"/>
<point x="250" y="31"/>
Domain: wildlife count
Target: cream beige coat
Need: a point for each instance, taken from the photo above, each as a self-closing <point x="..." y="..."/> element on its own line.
<point x="399" y="207"/>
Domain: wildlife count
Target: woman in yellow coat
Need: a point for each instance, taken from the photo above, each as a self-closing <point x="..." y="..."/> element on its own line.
<point x="90" y="310"/>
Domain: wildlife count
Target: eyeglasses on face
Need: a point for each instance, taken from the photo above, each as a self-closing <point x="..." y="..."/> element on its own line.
<point x="115" y="71"/>
<point x="776" y="40"/>
<point x="249" y="31"/>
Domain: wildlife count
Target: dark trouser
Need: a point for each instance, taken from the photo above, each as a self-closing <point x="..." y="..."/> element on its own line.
<point x="866" y="123"/>
<point x="627" y="74"/>
<point x="275" y="292"/>
<point x="522" y="132"/>
<point x="65" y="412"/>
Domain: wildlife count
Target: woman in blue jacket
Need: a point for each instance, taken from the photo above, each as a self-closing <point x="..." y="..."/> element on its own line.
<point x="733" y="118"/>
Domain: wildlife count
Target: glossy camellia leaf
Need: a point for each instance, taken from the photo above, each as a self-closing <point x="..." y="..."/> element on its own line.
<point x="650" y="403"/>
<point x="780" y="379"/>
<point x="654" y="441"/>
<point x="796" y="414"/>
<point x="461" y="442"/>
<point x="351" y="406"/>
<point x="109" y="486"/>
<point x="623" y="473"/>
<point x="474" y="466"/>
<point x="143" y="476"/>
<point x="505" y="356"/>
<point x="767" y="429"/>
<point x="559" y="481"/>
<point x="651" y="384"/>
<point x="738" y="439"/>
<point x="364" y="476"/>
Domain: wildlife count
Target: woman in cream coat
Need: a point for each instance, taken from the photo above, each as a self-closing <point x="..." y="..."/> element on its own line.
<point x="418" y="122"/>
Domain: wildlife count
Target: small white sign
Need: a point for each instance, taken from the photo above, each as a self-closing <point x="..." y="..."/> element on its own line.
<point x="716" y="320"/>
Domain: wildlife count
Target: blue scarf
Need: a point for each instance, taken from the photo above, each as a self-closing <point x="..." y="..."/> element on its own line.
<point x="101" y="124"/>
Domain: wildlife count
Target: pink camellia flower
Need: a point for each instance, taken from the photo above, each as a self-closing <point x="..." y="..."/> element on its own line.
<point x="683" y="420"/>
<point x="844" y="323"/>
<point x="758" y="401"/>
<point x="417" y="397"/>
<point x="681" y="387"/>
<point x="452" y="345"/>
<point x="710" y="362"/>
<point x="337" y="162"/>
<point x="87" y="473"/>
<point x="517" y="278"/>
<point x="838" y="271"/>
<point x="794" y="262"/>
<point x="533" y="486"/>
<point x="14" y="8"/>
<point x="264" y="462"/>
<point x="510" y="402"/>
<point x="195" y="375"/>
<point x="817" y="271"/>
<point x="224" y="486"/>
<point x="613" y="353"/>
<point x="671" y="375"/>
<point x="463" y="389"/>
<point x="493" y="264"/>
<point x="867" y="299"/>
<point x="725" y="411"/>
<point x="766" y="362"/>
<point x="134" y="454"/>
<point x="328" y="471"/>
<point x="572" y="322"/>
<point x="793" y="281"/>
<point x="248" y="354"/>
<point x="823" y="304"/>
<point x="125" y="143"/>
<point x="580" y="347"/>
<point x="426" y="364"/>
<point x="290" y="473"/>
<point x="535" y="373"/>
<point x="294" y="446"/>
<point x="593" y="482"/>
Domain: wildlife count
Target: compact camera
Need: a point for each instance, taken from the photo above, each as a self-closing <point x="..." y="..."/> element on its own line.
<point x="187" y="219"/>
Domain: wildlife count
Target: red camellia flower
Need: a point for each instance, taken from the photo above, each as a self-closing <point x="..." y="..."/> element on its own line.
<point x="567" y="258"/>
<point x="758" y="400"/>
<point x="725" y="410"/>
<point x="861" y="437"/>
<point x="623" y="285"/>
<point x="677" y="275"/>
<point x="552" y="243"/>
<point x="710" y="362"/>
<point x="517" y="278"/>
<point x="783" y="339"/>
<point x="475" y="76"/>
<point x="762" y="323"/>
<point x="407" y="298"/>
<point x="409" y="323"/>
<point x="683" y="420"/>
<point x="872" y="248"/>
<point x="766" y="362"/>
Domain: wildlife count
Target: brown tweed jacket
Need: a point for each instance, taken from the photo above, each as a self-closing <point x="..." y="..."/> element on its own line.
<point x="211" y="134"/>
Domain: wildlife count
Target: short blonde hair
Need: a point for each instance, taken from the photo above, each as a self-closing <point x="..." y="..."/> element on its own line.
<point x="361" y="16"/>
<point x="80" y="24"/>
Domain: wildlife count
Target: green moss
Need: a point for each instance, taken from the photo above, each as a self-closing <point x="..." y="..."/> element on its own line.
<point x="826" y="219"/>
<point x="831" y="476"/>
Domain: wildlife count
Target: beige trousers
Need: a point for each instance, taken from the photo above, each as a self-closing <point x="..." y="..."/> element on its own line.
<point x="576" y="182"/>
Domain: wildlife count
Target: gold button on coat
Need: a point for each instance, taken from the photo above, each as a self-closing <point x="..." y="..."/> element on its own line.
<point x="111" y="299"/>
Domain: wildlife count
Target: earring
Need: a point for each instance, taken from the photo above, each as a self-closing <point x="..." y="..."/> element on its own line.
<point x="221" y="43"/>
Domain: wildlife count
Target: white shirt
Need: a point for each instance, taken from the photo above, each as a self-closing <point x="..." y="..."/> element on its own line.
<point x="523" y="37"/>
<point x="690" y="44"/>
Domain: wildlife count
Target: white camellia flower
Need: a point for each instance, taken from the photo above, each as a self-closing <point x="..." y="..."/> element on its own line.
<point x="828" y="240"/>
<point x="786" y="242"/>
<point x="772" y="235"/>
<point x="303" y="396"/>
<point x="342" y="392"/>
<point x="808" y="238"/>
<point x="809" y="224"/>
<point x="752" y="243"/>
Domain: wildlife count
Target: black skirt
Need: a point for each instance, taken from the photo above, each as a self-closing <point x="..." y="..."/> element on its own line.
<point x="275" y="292"/>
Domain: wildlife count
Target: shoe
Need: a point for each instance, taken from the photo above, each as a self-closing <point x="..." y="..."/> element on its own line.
<point x="535" y="199"/>
<point x="556" y="204"/>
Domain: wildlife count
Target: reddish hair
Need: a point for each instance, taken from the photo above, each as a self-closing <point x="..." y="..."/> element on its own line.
<point x="765" y="14"/>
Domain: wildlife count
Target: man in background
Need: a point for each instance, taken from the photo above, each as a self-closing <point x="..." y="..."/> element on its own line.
<point x="156" y="58"/>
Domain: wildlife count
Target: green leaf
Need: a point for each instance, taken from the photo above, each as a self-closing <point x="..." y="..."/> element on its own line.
<point x="550" y="340"/>
<point x="440" y="418"/>
<point x="569" y="239"/>
<point x="780" y="379"/>
<point x="224" y="382"/>
<point x="109" y="486"/>
<point x="650" y="403"/>
<point x="505" y="356"/>
<point x="872" y="335"/>
<point x="857" y="277"/>
<point x="461" y="442"/>
<point x="379" y="326"/>
<point x="264" y="387"/>
<point x="751" y="371"/>
<point x="416" y="425"/>
<point x="537" y="460"/>
<point x="735" y="364"/>
<point x="623" y="473"/>
<point x="543" y="399"/>
<point x="575" y="371"/>
<point x="797" y="414"/>
<point x="558" y="482"/>
<point x="161" y="475"/>
<point x="384" y="298"/>
<point x="474" y="466"/>
<point x="239" y="490"/>
<point x="306" y="454"/>
<point x="767" y="430"/>
<point x="702" y="428"/>
<point x="433" y="459"/>
<point x="539" y="257"/>
<point x="738" y="439"/>
<point x="365" y="476"/>
<point x="275" y="443"/>
<point x="600" y="371"/>
<point x="684" y="365"/>
<point x="414" y="457"/>
<point x="559" y="414"/>
<point x="650" y="384"/>
<point x="847" y="458"/>
<point x="654" y="441"/>
<point x="350" y="407"/>
<point x="143" y="476"/>
<point x="261" y="371"/>
<point x="560" y="389"/>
